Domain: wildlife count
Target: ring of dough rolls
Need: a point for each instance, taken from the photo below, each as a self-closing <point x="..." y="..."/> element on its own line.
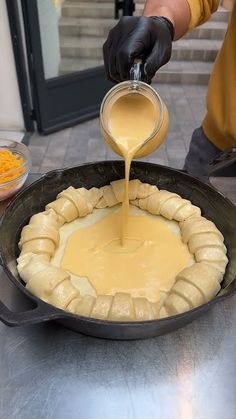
<point x="194" y="285"/>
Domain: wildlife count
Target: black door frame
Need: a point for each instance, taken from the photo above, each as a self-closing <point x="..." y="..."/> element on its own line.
<point x="21" y="65"/>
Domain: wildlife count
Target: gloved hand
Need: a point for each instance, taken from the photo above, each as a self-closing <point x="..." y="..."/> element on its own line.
<point x="147" y="38"/>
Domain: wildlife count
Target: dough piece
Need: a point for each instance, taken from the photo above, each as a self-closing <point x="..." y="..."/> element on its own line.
<point x="85" y="306"/>
<point x="163" y="313"/>
<point x="72" y="305"/>
<point x="65" y="211"/>
<point x="92" y="195"/>
<point x="24" y="259"/>
<point x="200" y="273"/>
<point x="201" y="240"/>
<point x="72" y="203"/>
<point x="108" y="199"/>
<point x="102" y="306"/>
<point x="63" y="294"/>
<point x="150" y="204"/>
<point x="81" y="205"/>
<point x="136" y="189"/>
<point x="143" y="309"/>
<point x="31" y="232"/>
<point x="44" y="283"/>
<point x="156" y="310"/>
<point x="39" y="246"/>
<point x="46" y="218"/>
<point x="41" y="235"/>
<point x="206" y="241"/>
<point x="176" y="304"/>
<point x="169" y="205"/>
<point x="196" y="225"/>
<point x="145" y="189"/>
<point x="186" y="211"/>
<point x="214" y="256"/>
<point x="113" y="193"/>
<point x="47" y="282"/>
<point x="80" y="201"/>
<point x="32" y="267"/>
<point x="189" y="292"/>
<point x="153" y="203"/>
<point x="194" y="286"/>
<point x="122" y="308"/>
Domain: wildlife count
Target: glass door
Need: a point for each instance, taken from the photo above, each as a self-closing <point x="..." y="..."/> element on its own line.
<point x="64" y="44"/>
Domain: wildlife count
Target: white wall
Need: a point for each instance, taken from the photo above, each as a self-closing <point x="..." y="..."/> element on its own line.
<point x="11" y="117"/>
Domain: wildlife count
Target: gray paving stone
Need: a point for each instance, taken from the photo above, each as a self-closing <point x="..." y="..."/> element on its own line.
<point x="79" y="135"/>
<point x="110" y="155"/>
<point x="35" y="169"/>
<point x="37" y="153"/>
<point x="96" y="149"/>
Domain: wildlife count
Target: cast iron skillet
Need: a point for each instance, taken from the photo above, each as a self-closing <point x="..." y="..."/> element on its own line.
<point x="34" y="198"/>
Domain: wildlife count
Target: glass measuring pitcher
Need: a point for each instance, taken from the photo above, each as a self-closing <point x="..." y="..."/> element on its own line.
<point x="135" y="87"/>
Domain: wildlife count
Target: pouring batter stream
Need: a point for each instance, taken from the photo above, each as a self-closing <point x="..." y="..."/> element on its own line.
<point x="132" y="121"/>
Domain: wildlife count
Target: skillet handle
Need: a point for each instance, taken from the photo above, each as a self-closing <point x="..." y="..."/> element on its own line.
<point x="42" y="313"/>
<point x="221" y="161"/>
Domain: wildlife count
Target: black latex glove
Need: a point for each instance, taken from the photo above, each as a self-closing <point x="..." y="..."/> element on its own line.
<point x="148" y="38"/>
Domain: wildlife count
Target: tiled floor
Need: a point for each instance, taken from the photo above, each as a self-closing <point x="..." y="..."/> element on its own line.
<point x="83" y="143"/>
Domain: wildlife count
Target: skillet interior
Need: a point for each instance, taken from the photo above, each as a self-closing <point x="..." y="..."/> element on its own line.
<point x="34" y="198"/>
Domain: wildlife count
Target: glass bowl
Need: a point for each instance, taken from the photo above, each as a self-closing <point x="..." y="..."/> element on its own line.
<point x="12" y="180"/>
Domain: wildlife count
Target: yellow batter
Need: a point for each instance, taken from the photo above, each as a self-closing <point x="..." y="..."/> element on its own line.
<point x="132" y="121"/>
<point x="147" y="265"/>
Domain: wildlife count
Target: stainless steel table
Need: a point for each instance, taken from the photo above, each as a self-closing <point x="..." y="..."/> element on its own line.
<point x="47" y="371"/>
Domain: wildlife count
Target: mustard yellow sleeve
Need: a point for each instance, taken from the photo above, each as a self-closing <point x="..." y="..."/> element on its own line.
<point x="201" y="11"/>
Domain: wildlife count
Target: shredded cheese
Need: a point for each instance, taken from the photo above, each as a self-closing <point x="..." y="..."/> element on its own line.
<point x="8" y="162"/>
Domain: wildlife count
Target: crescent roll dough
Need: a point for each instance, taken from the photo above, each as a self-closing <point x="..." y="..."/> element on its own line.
<point x="39" y="246"/>
<point x="196" y="225"/>
<point x="83" y="306"/>
<point x="32" y="232"/>
<point x="121" y="307"/>
<point x="113" y="193"/>
<point x="101" y="306"/>
<point x="47" y="282"/>
<point x="63" y="293"/>
<point x="201" y="240"/>
<point x="169" y="205"/>
<point x="25" y="260"/>
<point x="193" y="286"/>
<point x="214" y="256"/>
<point x="144" y="309"/>
<point x="41" y="235"/>
<point x="205" y="241"/>
<point x="72" y="203"/>
<point x="46" y="218"/>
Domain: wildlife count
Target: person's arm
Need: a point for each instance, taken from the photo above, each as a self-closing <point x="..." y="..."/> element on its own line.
<point x="150" y="36"/>
<point x="177" y="11"/>
<point x="184" y="14"/>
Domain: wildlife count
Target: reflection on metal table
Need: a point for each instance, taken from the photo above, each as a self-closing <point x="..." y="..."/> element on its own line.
<point x="50" y="372"/>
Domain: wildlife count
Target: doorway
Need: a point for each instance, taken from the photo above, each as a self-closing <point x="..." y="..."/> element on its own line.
<point x="64" y="41"/>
